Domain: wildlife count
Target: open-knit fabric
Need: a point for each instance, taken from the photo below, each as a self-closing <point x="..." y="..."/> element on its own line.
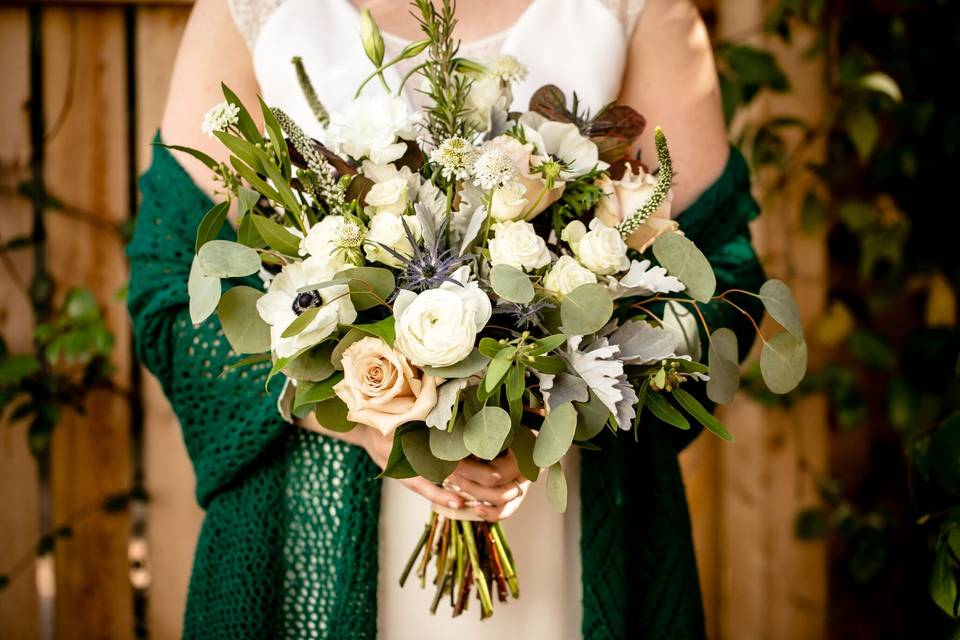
<point x="288" y="547"/>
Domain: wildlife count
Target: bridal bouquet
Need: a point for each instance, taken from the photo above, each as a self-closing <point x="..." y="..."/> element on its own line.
<point x="467" y="278"/>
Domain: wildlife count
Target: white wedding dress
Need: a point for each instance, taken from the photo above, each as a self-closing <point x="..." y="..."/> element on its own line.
<point x="578" y="45"/>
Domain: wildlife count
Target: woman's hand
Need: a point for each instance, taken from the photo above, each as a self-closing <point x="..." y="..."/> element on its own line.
<point x="498" y="485"/>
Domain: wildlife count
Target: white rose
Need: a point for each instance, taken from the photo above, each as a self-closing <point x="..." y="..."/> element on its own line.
<point x="517" y="244"/>
<point x="601" y="249"/>
<point x="509" y="202"/>
<point x="369" y="127"/>
<point x="282" y="304"/>
<point x="566" y="275"/>
<point x="487" y="92"/>
<point x="439" y="327"/>
<point x="393" y="189"/>
<point x="387" y="229"/>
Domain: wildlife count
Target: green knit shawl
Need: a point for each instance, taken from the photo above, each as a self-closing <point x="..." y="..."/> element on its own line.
<point x="288" y="547"/>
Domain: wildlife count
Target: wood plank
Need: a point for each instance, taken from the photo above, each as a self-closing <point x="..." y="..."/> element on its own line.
<point x="87" y="168"/>
<point x="173" y="515"/>
<point x="18" y="475"/>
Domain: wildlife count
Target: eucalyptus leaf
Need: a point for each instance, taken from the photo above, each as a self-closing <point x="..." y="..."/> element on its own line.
<point x="369" y="286"/>
<point x="592" y="415"/>
<point x="313" y="365"/>
<point x="397" y="465"/>
<point x="473" y="363"/>
<point x="511" y="283"/>
<point x="242" y="325"/>
<point x="310" y="392"/>
<point x="943" y="582"/>
<point x="724" y="366"/>
<point x="585" y="310"/>
<point x="486" y="431"/>
<point x="211" y="223"/>
<point x="226" y="259"/>
<point x="779" y="303"/>
<point x="557" y="488"/>
<point x="692" y="406"/>
<point x="683" y="260"/>
<point x="301" y="322"/>
<point x="276" y="236"/>
<point x="336" y="356"/>
<point x="247" y="198"/>
<point x="204" y="292"/>
<point x="416" y="448"/>
<point x="522" y="445"/>
<point x="556" y="435"/>
<point x="783" y="362"/>
<point x="448" y="445"/>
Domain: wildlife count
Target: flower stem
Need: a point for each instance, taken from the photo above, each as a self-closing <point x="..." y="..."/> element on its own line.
<point x="496" y="533"/>
<point x="428" y="550"/>
<point x="479" y="578"/>
<point x="416" y="552"/>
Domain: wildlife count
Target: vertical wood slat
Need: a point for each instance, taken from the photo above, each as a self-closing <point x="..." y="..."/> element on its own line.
<point x="18" y="475"/>
<point x="173" y="515"/>
<point x="87" y="168"/>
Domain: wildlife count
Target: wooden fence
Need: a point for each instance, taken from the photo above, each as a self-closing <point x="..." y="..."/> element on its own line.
<point x="98" y="73"/>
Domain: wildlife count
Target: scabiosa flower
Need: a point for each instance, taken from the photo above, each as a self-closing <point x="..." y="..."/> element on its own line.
<point x="493" y="169"/>
<point x="220" y="117"/>
<point x="454" y="157"/>
<point x="508" y="69"/>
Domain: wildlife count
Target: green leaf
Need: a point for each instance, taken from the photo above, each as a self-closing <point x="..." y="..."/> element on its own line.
<point x="490" y="347"/>
<point x="397" y="465"/>
<point x="204" y="292"/>
<point x="276" y="236"/>
<point x="548" y="364"/>
<point x="448" y="445"/>
<point x="384" y="329"/>
<point x="515" y="382"/>
<point x="724" y="366"/>
<point x="244" y="152"/>
<point x="556" y="435"/>
<point x="248" y="235"/>
<point x="943" y="457"/>
<point x="416" y="448"/>
<point x="511" y="284"/>
<point x="211" y="223"/>
<point x="943" y="582"/>
<point x="199" y="155"/>
<point x="863" y="129"/>
<point x="246" y="199"/>
<point x="369" y="286"/>
<point x="486" y="431"/>
<point x="242" y="325"/>
<point x="547" y="344"/>
<point x="498" y="368"/>
<point x="313" y="365"/>
<point x="245" y="123"/>
<point x="882" y="83"/>
<point x="586" y="309"/>
<point x="277" y="141"/>
<point x="280" y="182"/>
<point x="557" y="488"/>
<point x="301" y="322"/>
<point x="810" y="524"/>
<point x="592" y="415"/>
<point x="692" y="406"/>
<point x="779" y="303"/>
<point x="13" y="369"/>
<point x="662" y="409"/>
<point x="783" y="362"/>
<point x="310" y="392"/>
<point x="251" y="176"/>
<point x="682" y="259"/>
<point x="226" y="259"/>
<point x="473" y="363"/>
<point x="332" y="415"/>
<point x="522" y="446"/>
<point x="336" y="357"/>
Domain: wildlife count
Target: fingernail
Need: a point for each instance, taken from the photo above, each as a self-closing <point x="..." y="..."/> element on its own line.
<point x="455" y="487"/>
<point x="453" y="504"/>
<point x="480" y="512"/>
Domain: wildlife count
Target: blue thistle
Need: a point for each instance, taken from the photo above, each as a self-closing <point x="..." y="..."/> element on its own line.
<point x="524" y="315"/>
<point x="431" y="264"/>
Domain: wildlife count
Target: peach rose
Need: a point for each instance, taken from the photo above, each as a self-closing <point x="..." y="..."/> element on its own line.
<point x="529" y="197"/>
<point x="380" y="387"/>
<point x="623" y="197"/>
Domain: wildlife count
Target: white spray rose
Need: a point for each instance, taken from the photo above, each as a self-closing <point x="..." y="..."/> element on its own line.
<point x="510" y="201"/>
<point x="567" y="274"/>
<point x="518" y="245"/>
<point x="601" y="249"/>
<point x="439" y="327"/>
<point x="369" y="127"/>
<point x="393" y="189"/>
<point x="387" y="229"/>
<point x="282" y="304"/>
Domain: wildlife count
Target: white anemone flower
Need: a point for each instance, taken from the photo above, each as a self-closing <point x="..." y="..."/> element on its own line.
<point x="563" y="141"/>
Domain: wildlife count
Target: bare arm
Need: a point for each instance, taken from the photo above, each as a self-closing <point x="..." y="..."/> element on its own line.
<point x="671" y="79"/>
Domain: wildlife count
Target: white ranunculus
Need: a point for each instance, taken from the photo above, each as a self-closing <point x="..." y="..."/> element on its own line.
<point x="518" y="245"/>
<point x="439" y="327"/>
<point x="370" y="126"/>
<point x="387" y="229"/>
<point x="567" y="274"/>
<point x="563" y="141"/>
<point x="601" y="249"/>
<point x="282" y="304"/>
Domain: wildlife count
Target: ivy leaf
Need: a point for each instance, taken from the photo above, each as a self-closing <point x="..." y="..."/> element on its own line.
<point x="586" y="309"/>
<point x="724" y="366"/>
<point x="556" y="435"/>
<point x="486" y="431"/>
<point x="242" y="325"/>
<point x="682" y="259"/>
<point x="226" y="259"/>
<point x="511" y="284"/>
<point x="783" y="362"/>
<point x="557" y="488"/>
<point x="779" y="303"/>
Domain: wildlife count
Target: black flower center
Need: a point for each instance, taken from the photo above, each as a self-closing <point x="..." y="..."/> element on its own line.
<point x="306" y="300"/>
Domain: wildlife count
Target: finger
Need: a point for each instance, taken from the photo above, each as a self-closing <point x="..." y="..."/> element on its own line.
<point x="497" y="496"/>
<point x="433" y="493"/>
<point x="488" y="474"/>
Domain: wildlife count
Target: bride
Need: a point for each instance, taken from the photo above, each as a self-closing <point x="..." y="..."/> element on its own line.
<point x="299" y="541"/>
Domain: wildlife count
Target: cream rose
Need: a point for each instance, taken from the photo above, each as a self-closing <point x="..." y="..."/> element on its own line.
<point x="566" y="275"/>
<point x="512" y="203"/>
<point x="386" y="230"/>
<point x="439" y="327"/>
<point x="601" y="249"/>
<point x="381" y="389"/>
<point x="517" y="244"/>
<point x="623" y="197"/>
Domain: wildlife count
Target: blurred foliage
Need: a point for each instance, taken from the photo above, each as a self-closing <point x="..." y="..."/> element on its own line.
<point x="883" y="194"/>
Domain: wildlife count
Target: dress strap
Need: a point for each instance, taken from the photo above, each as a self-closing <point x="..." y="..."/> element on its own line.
<point x="627" y="11"/>
<point x="249" y="16"/>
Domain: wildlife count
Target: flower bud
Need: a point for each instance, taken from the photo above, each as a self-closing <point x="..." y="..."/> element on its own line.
<point x="371" y="38"/>
<point x="463" y="65"/>
<point x="414" y="49"/>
